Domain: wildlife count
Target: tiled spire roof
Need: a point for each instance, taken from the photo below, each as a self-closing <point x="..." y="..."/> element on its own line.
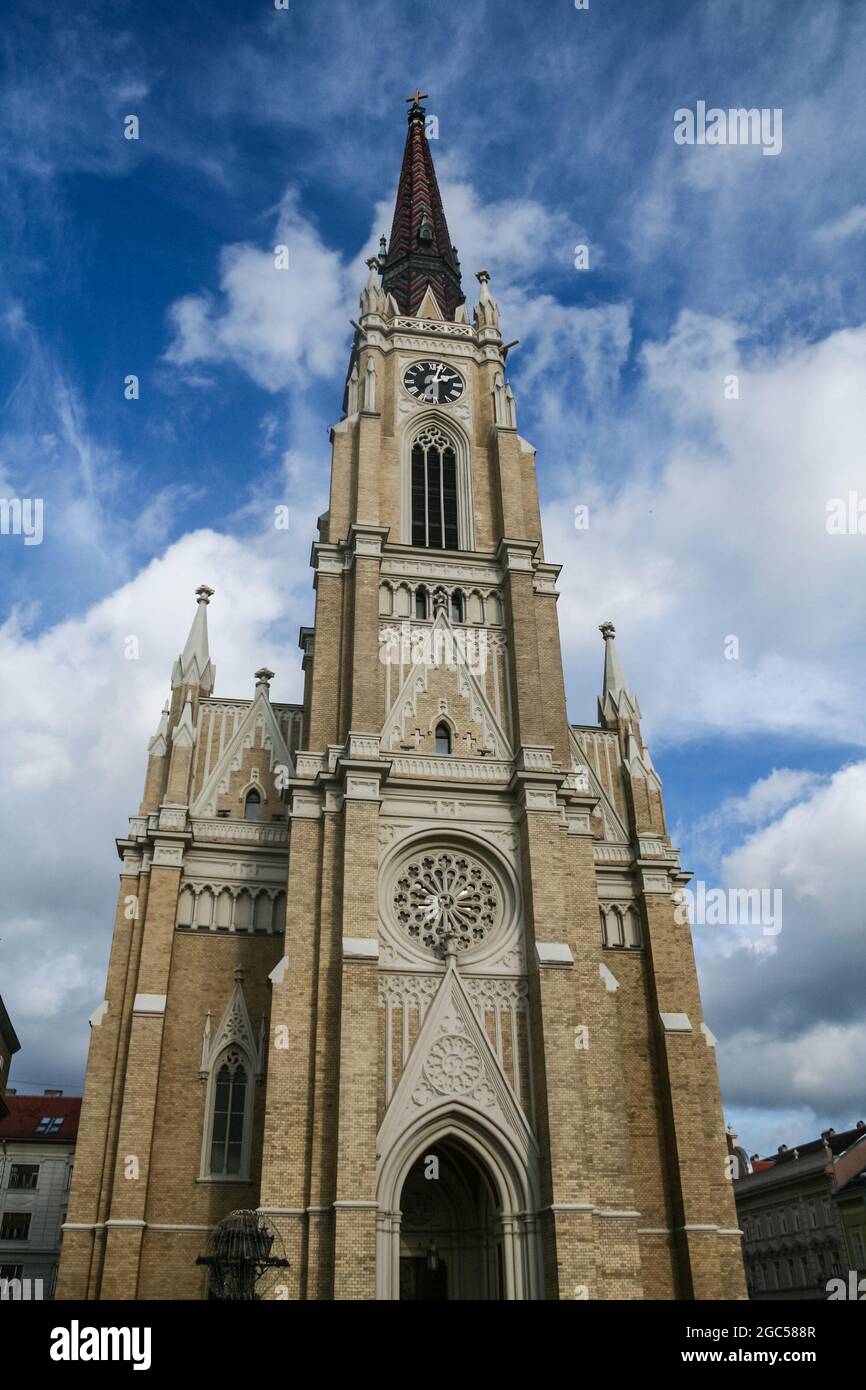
<point x="420" y="251"/>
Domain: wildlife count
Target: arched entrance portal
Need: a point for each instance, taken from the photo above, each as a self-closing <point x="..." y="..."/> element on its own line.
<point x="451" y="1228"/>
<point x="479" y="1216"/>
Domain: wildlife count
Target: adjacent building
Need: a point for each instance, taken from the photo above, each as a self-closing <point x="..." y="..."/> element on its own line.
<point x="849" y="1197"/>
<point x="9" y="1045"/>
<point x="37" y="1144"/>
<point x="794" y="1237"/>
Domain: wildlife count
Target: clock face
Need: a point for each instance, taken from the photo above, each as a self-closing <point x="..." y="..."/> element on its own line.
<point x="433" y="381"/>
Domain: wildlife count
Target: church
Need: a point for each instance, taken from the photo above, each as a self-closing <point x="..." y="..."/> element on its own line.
<point x="400" y="968"/>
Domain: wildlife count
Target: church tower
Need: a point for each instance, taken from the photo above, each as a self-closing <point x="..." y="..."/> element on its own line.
<point x="402" y="968"/>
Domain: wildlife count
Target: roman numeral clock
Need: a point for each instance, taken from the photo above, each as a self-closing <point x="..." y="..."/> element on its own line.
<point x="433" y="381"/>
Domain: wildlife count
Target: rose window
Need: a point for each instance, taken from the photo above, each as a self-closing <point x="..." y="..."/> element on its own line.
<point x="442" y="897"/>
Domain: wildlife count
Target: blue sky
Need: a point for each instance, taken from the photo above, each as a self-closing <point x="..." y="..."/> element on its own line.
<point x="707" y="515"/>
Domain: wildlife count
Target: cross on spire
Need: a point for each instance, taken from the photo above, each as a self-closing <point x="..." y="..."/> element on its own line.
<point x="416" y="97"/>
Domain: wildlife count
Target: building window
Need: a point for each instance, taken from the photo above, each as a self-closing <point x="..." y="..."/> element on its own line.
<point x="434" y="491"/>
<point x="457" y="607"/>
<point x="443" y="738"/>
<point x="24" y="1176"/>
<point x="783" y="1223"/>
<point x="253" y="805"/>
<point x="420" y="603"/>
<point x="49" y="1124"/>
<point x="15" y="1225"/>
<point x="828" y="1214"/>
<point x="813" y="1215"/>
<point x="229" y="1115"/>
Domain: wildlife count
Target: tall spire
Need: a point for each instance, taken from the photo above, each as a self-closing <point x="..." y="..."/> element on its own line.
<point x="616" y="699"/>
<point x="193" y="666"/>
<point x="420" y="251"/>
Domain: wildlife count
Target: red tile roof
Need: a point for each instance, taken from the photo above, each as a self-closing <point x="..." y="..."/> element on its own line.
<point x="27" y="1112"/>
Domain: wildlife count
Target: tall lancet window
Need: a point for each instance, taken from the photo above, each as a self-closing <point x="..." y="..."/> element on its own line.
<point x="253" y="805"/>
<point x="229" y="1114"/>
<point x="434" y="491"/>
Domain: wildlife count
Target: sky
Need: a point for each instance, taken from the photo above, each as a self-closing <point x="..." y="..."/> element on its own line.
<point x="697" y="387"/>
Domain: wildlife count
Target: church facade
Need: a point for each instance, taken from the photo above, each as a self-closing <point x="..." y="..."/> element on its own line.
<point x="400" y="968"/>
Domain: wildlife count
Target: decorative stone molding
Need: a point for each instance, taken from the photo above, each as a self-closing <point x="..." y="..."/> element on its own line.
<point x="516" y="555"/>
<point x="655" y="882"/>
<point x="363" y="746"/>
<point x="534" y="758"/>
<point x="172" y="817"/>
<point x="456" y="769"/>
<point x="361" y="788"/>
<point x="168" y="856"/>
<point x="247" y="831"/>
<point x="309" y="765"/>
<point x="545" y="577"/>
<point x="98" y="1014"/>
<point x="709" y="1038"/>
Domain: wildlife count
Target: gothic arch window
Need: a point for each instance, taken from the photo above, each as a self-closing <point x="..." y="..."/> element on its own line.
<point x="443" y="738"/>
<point x="421" y="605"/>
<point x="228" y="1119"/>
<point x="253" y="805"/>
<point x="436" y="487"/>
<point x="458" y="607"/>
<point x="434" y="490"/>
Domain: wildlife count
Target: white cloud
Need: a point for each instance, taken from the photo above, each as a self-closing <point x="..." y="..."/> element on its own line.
<point x="75" y="719"/>
<point x="851" y="223"/>
<point x="711" y="523"/>
<point x="791" y="1017"/>
<point x="280" y="326"/>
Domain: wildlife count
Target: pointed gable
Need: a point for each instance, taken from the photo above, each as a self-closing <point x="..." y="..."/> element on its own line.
<point x="442" y="687"/>
<point x="453" y="1064"/>
<point x="255" y="754"/>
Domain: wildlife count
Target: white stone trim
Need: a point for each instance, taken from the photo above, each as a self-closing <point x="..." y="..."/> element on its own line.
<point x="360" y="948"/>
<point x="554" y="953"/>
<point x="149" y="1004"/>
<point x="675" y="1023"/>
<point x="277" y="975"/>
